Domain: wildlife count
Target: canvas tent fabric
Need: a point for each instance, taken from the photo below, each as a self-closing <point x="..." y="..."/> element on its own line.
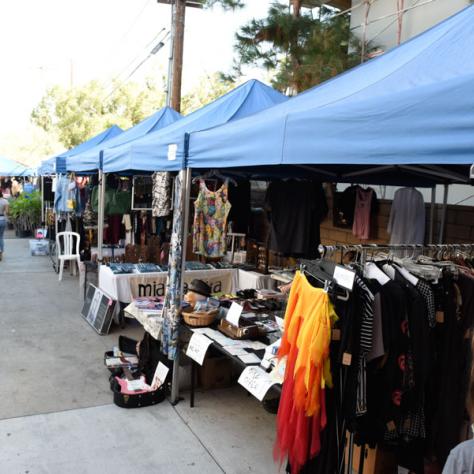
<point x="408" y="106"/>
<point x="10" y="167"/>
<point x="90" y="159"/>
<point x="152" y="153"/>
<point x="49" y="166"/>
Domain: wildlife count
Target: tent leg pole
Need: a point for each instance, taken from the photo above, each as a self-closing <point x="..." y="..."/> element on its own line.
<point x="185" y="179"/>
<point x="100" y="216"/>
<point x="432" y="215"/>
<point x="443" y="216"/>
<point x="42" y="200"/>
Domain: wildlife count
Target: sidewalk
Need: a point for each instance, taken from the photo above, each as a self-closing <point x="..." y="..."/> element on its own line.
<point x="57" y="414"/>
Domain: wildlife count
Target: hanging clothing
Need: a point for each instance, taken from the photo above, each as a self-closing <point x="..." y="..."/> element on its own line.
<point x="211" y="209"/>
<point x="362" y="213"/>
<point x="62" y="195"/>
<point x="296" y="209"/>
<point x="127" y="223"/>
<point x="240" y="213"/>
<point x="406" y="224"/>
<point x="161" y="202"/>
<point x="302" y="411"/>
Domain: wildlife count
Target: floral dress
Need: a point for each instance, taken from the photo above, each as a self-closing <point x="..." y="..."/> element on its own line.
<point x="210" y="221"/>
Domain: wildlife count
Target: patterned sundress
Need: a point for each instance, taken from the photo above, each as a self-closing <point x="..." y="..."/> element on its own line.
<point x="211" y="209"/>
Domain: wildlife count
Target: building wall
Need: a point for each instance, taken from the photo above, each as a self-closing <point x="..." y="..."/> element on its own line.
<point x="415" y="21"/>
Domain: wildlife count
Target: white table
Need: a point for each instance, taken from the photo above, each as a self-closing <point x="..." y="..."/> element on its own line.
<point x="153" y="324"/>
<point x="255" y="280"/>
<point x="126" y="286"/>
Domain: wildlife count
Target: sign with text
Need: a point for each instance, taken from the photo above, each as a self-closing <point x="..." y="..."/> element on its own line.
<point x="197" y="347"/>
<point x="256" y="381"/>
<point x="98" y="309"/>
<point x="154" y="284"/>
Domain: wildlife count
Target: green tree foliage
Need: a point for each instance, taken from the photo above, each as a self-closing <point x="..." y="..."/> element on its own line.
<point x="78" y="113"/>
<point x="226" y="4"/>
<point x="301" y="50"/>
<point x="74" y="115"/>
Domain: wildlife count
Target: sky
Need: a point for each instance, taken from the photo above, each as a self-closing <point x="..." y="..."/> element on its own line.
<point x="64" y="41"/>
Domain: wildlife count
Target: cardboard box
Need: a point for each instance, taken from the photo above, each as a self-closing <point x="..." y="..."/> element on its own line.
<point x="39" y="247"/>
<point x="216" y="372"/>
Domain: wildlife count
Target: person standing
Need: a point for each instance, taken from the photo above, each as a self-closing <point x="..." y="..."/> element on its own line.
<point x="3" y="221"/>
<point x="461" y="458"/>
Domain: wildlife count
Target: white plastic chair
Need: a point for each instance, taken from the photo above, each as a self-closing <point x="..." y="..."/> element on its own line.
<point x="67" y="250"/>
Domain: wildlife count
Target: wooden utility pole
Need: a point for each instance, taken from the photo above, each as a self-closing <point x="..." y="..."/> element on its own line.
<point x="178" y="48"/>
<point x="175" y="69"/>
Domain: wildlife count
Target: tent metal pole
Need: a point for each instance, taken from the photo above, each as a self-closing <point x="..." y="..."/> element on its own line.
<point x="443" y="216"/>
<point x="56" y="224"/>
<point x="100" y="216"/>
<point x="42" y="200"/>
<point x="432" y="215"/>
<point x="185" y="180"/>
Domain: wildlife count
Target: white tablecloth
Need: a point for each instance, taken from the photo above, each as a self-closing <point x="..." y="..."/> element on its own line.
<point x="119" y="287"/>
<point x="255" y="280"/>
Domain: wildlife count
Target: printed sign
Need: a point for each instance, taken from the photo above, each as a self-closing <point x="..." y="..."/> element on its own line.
<point x="172" y="151"/>
<point x="147" y="285"/>
<point x="98" y="309"/>
<point x="197" y="347"/>
<point x="256" y="381"/>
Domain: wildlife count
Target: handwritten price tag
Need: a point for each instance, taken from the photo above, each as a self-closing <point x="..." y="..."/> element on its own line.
<point x="233" y="315"/>
<point x="256" y="381"/>
<point x="197" y="347"/>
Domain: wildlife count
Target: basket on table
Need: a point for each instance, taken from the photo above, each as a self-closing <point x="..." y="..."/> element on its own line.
<point x="200" y="318"/>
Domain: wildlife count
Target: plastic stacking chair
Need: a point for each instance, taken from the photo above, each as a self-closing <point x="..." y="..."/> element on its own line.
<point x="68" y="250"/>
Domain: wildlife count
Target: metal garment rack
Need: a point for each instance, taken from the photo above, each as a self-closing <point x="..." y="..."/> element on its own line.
<point x="362" y="252"/>
<point x="328" y="251"/>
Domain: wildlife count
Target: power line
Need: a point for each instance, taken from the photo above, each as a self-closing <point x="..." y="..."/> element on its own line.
<point x="154" y="51"/>
<point x="133" y="61"/>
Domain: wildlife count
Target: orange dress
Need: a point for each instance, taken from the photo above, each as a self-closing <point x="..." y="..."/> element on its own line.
<point x="301" y="415"/>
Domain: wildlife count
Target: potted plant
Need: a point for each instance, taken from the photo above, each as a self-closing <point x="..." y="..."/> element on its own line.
<point x="25" y="213"/>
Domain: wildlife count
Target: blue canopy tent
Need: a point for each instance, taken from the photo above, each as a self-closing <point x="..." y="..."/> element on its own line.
<point x="13" y="168"/>
<point x="48" y="166"/>
<point x="406" y="117"/>
<point x="90" y="160"/>
<point x="164" y="150"/>
<point x="409" y="106"/>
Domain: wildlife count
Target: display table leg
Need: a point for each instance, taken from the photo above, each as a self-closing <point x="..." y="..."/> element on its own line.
<point x="193" y="383"/>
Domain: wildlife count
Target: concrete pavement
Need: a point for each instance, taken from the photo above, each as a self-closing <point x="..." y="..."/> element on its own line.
<point x="57" y="415"/>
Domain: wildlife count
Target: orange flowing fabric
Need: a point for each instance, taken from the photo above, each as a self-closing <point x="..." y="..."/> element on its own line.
<point x="301" y="416"/>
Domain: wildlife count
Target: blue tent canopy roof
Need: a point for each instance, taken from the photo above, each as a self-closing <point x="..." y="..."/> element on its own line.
<point x="150" y="153"/>
<point x="10" y="167"/>
<point x="409" y="106"/>
<point x="90" y="160"/>
<point x="49" y="166"/>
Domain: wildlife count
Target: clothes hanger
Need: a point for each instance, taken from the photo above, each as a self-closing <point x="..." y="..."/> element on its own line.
<point x="319" y="270"/>
<point x="215" y="174"/>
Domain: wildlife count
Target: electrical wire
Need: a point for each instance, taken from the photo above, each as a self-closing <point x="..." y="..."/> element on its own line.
<point x="135" y="59"/>
<point x="155" y="50"/>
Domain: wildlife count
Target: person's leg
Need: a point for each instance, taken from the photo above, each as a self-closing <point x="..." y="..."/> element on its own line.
<point x="2" y="230"/>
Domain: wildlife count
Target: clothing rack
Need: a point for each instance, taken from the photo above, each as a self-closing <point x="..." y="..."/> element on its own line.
<point x="362" y="251"/>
